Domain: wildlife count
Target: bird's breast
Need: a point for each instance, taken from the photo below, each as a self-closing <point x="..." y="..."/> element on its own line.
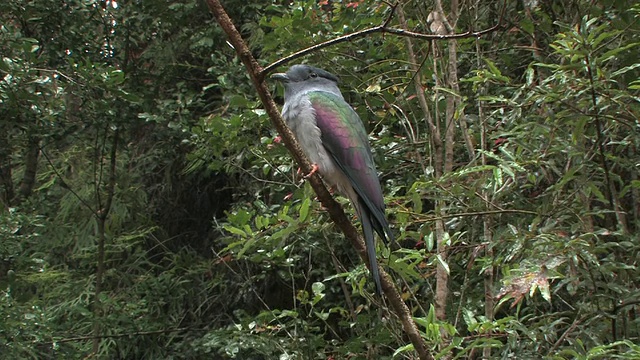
<point x="301" y="119"/>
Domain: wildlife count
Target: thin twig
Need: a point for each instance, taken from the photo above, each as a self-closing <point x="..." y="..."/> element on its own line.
<point x="112" y="336"/>
<point x="384" y="28"/>
<point x="477" y="213"/>
<point x="65" y="185"/>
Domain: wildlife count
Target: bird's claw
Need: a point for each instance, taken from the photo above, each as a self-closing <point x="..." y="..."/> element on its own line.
<point x="314" y="169"/>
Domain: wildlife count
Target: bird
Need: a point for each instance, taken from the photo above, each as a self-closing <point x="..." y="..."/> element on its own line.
<point x="333" y="137"/>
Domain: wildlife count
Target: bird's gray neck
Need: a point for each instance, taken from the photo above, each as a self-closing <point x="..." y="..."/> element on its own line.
<point x="295" y="90"/>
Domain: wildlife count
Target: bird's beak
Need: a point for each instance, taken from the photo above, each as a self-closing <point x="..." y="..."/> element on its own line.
<point x="280" y="77"/>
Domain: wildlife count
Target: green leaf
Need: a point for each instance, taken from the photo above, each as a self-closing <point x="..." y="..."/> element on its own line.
<point x="304" y="210"/>
<point x="475" y="169"/>
<point x="317" y="287"/>
<point x="624" y="70"/>
<point x="293" y="226"/>
<point x="247" y="244"/>
<point x="416" y="200"/>
<point x="258" y="222"/>
<point x="527" y="25"/>
<point x="613" y="53"/>
<point x="492" y="67"/>
<point x="430" y="241"/>
<point x="235" y="230"/>
<point x="322" y="315"/>
<point x="530" y="75"/>
<point x="443" y="263"/>
<point x="403" y="349"/>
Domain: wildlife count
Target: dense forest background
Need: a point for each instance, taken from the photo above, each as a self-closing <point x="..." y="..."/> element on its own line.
<point x="147" y="210"/>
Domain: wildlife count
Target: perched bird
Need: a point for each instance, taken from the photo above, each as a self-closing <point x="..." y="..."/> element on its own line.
<point x="334" y="139"/>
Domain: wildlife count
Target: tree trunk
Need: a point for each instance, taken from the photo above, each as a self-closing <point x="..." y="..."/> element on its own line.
<point x="31" y="156"/>
<point x="97" y="305"/>
<point x="489" y="302"/>
<point x="6" y="173"/>
<point x="487" y="221"/>
<point x="101" y="218"/>
<point x="442" y="274"/>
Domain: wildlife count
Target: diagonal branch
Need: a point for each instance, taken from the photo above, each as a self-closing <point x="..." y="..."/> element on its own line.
<point x="335" y="211"/>
<point x="64" y="183"/>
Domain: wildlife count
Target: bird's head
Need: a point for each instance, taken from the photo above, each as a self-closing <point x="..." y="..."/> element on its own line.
<point x="304" y="73"/>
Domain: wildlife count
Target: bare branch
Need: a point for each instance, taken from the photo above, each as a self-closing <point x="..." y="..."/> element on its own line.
<point x="112" y="336"/>
<point x="384" y="28"/>
<point x="64" y="183"/>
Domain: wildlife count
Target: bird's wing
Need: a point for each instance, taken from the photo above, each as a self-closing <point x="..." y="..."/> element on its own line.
<point x="344" y="137"/>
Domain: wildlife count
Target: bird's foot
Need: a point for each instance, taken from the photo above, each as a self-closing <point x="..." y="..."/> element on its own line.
<point x="314" y="169"/>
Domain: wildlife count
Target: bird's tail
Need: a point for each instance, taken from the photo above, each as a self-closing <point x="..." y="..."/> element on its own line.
<point x="370" y="242"/>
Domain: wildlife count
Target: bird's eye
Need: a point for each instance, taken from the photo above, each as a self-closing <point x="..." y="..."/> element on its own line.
<point x="313" y="75"/>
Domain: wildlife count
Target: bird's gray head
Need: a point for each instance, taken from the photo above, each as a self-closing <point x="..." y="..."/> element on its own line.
<point x="302" y="78"/>
<point x="302" y="73"/>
